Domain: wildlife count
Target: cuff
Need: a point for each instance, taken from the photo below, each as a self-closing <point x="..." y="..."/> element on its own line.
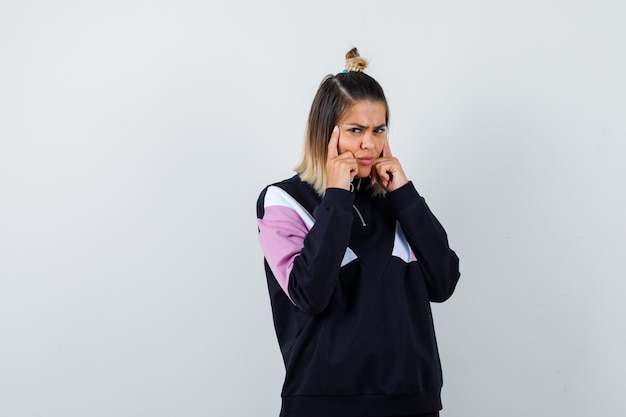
<point x="404" y="196"/>
<point x="338" y="197"/>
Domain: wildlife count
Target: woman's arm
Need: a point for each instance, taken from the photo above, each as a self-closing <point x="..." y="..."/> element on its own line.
<point x="305" y="253"/>
<point x="428" y="240"/>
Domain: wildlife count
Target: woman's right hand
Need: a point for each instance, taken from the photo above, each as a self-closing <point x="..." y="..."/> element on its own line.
<point x="340" y="168"/>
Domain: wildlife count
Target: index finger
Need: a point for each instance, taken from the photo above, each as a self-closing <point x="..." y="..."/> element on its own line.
<point x="387" y="150"/>
<point x="333" y="144"/>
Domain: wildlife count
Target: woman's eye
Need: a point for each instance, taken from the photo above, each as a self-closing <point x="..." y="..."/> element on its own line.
<point x="380" y="130"/>
<point x="355" y="130"/>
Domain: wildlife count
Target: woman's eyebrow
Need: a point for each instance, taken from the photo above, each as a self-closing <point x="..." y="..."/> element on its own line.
<point x="360" y="126"/>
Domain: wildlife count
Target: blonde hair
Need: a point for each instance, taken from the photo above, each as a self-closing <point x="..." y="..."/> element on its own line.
<point x="335" y="96"/>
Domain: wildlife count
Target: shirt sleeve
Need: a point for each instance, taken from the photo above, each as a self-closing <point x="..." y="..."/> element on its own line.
<point x="428" y="240"/>
<point x="304" y="251"/>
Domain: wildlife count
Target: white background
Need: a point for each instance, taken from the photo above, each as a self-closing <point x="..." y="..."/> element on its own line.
<point x="135" y="137"/>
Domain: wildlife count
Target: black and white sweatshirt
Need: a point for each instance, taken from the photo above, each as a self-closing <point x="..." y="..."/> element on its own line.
<point x="351" y="277"/>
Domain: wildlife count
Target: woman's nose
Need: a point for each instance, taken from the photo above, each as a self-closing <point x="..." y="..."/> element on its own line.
<point x="368" y="141"/>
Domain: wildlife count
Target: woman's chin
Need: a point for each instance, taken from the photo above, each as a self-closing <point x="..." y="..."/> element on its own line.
<point x="363" y="173"/>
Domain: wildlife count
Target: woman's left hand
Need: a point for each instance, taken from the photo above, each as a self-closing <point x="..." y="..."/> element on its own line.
<point x="388" y="172"/>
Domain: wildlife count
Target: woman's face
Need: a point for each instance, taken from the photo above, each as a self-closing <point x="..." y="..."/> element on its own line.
<point x="363" y="132"/>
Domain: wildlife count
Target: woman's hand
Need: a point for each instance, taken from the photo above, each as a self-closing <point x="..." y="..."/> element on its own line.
<point x="340" y="169"/>
<point x="387" y="171"/>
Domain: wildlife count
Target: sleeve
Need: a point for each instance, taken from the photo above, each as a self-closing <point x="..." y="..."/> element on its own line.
<point x="305" y="252"/>
<point x="428" y="239"/>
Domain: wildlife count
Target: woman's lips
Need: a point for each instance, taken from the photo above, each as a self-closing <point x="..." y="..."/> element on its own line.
<point x="366" y="161"/>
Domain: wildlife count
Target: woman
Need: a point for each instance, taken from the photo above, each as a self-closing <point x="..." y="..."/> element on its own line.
<point x="353" y="258"/>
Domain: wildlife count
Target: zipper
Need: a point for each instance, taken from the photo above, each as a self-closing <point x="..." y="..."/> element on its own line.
<point x="360" y="215"/>
<point x="358" y="187"/>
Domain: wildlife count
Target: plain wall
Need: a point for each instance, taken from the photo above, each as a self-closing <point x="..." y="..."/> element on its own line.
<point x="135" y="137"/>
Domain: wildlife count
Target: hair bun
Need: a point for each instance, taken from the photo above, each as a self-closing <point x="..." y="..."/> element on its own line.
<point x="354" y="61"/>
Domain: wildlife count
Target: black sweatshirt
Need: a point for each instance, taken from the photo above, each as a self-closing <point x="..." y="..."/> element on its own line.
<point x="351" y="277"/>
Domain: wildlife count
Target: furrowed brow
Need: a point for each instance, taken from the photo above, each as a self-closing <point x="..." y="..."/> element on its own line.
<point x="364" y="127"/>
